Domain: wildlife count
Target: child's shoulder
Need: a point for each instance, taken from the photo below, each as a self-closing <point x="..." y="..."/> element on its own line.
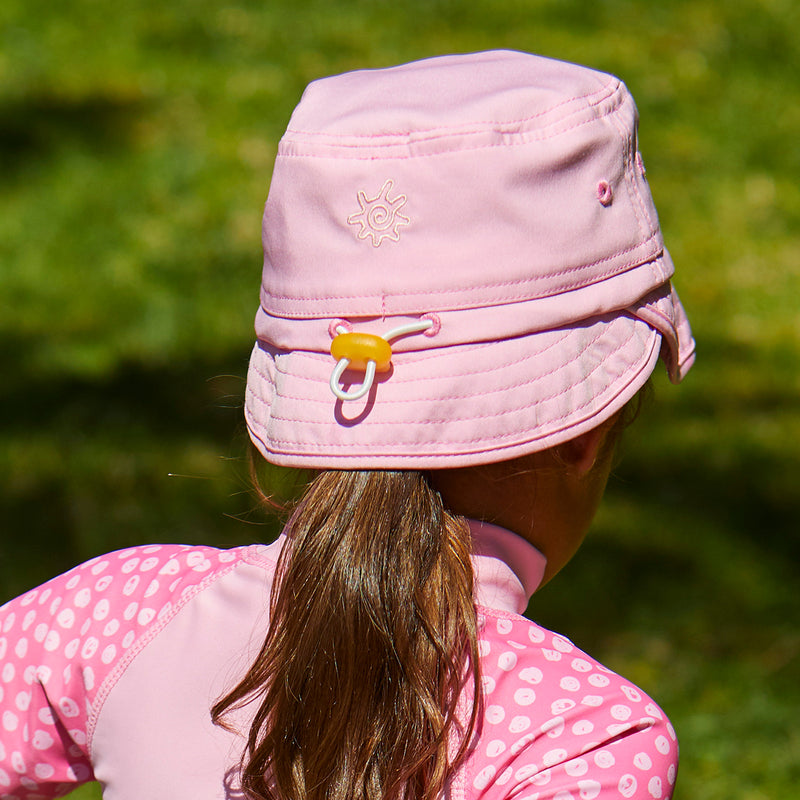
<point x="96" y="610"/>
<point x="555" y="716"/>
<point x="144" y="572"/>
<point x="64" y="645"/>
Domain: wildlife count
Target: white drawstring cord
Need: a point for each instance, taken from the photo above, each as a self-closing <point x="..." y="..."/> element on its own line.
<point x="369" y="375"/>
<point x="354" y="394"/>
<point x="409" y="327"/>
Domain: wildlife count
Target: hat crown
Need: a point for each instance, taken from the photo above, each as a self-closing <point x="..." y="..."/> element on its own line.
<point x="454" y="183"/>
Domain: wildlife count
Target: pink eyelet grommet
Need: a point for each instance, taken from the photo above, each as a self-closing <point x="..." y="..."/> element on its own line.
<point x="604" y="193"/>
<point x="333" y="328"/>
<point x="435" y="327"/>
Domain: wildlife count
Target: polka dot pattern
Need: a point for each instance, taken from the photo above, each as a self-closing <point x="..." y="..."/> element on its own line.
<point x="60" y="645"/>
<point x="561" y="725"/>
<point x="557" y="725"/>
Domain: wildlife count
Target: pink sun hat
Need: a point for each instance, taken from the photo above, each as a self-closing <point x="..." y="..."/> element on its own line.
<point x="488" y="215"/>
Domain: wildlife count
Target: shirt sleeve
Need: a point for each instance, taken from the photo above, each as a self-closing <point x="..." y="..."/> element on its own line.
<point x="559" y="726"/>
<point x="64" y="644"/>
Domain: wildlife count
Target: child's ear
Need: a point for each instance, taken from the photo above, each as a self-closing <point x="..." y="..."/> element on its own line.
<point x="581" y="453"/>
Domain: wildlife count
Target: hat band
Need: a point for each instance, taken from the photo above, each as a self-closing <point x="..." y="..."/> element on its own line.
<point x="471" y="325"/>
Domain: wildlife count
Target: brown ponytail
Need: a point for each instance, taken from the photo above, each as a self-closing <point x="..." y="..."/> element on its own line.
<point x="372" y="642"/>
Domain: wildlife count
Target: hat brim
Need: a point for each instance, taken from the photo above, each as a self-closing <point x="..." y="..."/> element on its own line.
<point x="450" y="406"/>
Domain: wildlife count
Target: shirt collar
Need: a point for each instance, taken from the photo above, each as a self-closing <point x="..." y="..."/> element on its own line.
<point x="508" y="569"/>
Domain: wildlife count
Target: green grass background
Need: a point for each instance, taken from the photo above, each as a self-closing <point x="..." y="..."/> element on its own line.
<point x="136" y="141"/>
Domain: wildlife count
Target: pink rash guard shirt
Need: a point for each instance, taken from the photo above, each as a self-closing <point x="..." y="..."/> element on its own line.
<point x="108" y="672"/>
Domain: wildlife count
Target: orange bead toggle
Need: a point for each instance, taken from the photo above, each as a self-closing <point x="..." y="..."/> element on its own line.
<point x="361" y="348"/>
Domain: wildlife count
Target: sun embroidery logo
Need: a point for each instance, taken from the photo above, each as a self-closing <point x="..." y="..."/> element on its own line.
<point x="379" y="216"/>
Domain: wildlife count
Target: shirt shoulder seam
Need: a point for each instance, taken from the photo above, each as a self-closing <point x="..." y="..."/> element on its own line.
<point x="141" y="642"/>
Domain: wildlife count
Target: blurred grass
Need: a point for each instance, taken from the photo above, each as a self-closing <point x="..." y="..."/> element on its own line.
<point x="136" y="141"/>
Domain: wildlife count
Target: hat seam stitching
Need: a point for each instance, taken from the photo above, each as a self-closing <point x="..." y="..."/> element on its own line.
<point x="621" y="134"/>
<point x="606" y="91"/>
<point x="471" y="418"/>
<point x="639" y="210"/>
<point x="518" y="139"/>
<point x="430" y="354"/>
<point x="495" y="368"/>
<point x="450" y="442"/>
<point x="655" y="255"/>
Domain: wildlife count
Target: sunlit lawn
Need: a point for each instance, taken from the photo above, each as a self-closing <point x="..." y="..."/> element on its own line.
<point x="137" y="141"/>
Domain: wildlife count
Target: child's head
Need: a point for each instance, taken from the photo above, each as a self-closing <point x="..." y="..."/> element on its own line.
<point x="495" y="203"/>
